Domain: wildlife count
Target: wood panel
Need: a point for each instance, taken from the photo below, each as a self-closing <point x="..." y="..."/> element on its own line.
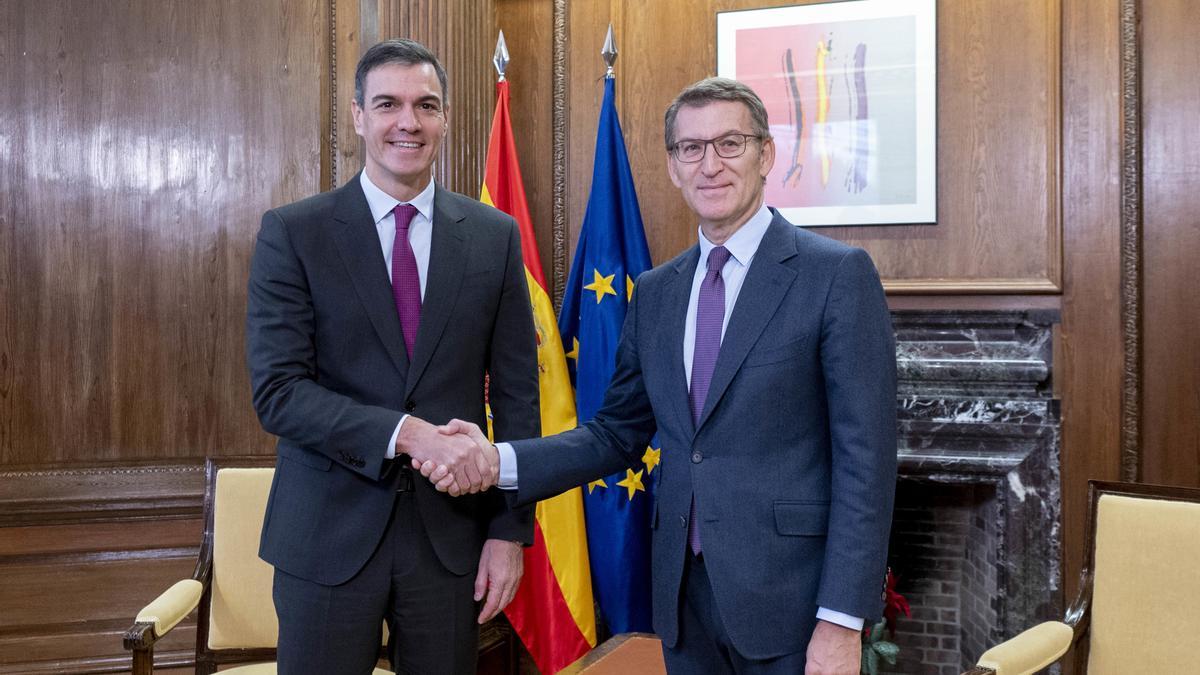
<point x="998" y="224"/>
<point x="441" y="26"/>
<point x="81" y="551"/>
<point x="528" y="30"/>
<point x="1089" y="356"/>
<point x="1170" y="439"/>
<point x="142" y="142"/>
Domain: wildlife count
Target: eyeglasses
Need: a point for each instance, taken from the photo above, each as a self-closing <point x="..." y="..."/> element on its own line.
<point x="691" y="150"/>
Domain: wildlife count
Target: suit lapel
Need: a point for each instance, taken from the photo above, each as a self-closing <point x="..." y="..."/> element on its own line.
<point x="357" y="242"/>
<point x="675" y="301"/>
<point x="767" y="282"/>
<point x="447" y="265"/>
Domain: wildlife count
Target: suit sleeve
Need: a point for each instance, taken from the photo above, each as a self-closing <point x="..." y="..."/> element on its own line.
<point x="609" y="442"/>
<point x="858" y="359"/>
<point x="281" y="356"/>
<point x="513" y="383"/>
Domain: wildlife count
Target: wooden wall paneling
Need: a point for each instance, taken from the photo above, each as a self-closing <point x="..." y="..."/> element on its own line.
<point x="1170" y="432"/>
<point x="528" y="27"/>
<point x="352" y="27"/>
<point x="586" y="26"/>
<point x="81" y="551"/>
<point x="142" y="146"/>
<point x="999" y="224"/>
<point x="457" y="31"/>
<point x="138" y="150"/>
<point x="1088" y="365"/>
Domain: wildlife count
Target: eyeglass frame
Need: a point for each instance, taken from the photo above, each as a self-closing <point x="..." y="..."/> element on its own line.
<point x="674" y="149"/>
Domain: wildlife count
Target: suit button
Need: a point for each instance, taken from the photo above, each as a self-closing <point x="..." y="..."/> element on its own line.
<point x="683" y="522"/>
<point x="697" y="457"/>
<point x="410" y="406"/>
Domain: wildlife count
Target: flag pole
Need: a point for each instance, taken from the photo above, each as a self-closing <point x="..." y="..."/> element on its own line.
<point x="500" y="58"/>
<point x="609" y="52"/>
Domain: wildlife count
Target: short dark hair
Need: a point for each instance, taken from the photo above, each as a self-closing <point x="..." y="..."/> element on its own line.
<point x="397" y="50"/>
<point x="713" y="89"/>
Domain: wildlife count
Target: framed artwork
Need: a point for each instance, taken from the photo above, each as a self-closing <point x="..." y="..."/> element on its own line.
<point x="850" y="90"/>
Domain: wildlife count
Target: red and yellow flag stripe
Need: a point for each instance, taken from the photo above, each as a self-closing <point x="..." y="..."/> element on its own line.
<point x="552" y="611"/>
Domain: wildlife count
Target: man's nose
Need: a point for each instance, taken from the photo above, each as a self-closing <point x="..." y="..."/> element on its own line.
<point x="711" y="162"/>
<point x="406" y="118"/>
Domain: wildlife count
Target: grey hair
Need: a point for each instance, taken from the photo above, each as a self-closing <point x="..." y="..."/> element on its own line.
<point x="402" y="51"/>
<point x="713" y="89"/>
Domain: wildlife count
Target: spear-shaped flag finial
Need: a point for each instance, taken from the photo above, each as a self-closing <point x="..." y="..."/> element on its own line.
<point x="609" y="52"/>
<point x="500" y="58"/>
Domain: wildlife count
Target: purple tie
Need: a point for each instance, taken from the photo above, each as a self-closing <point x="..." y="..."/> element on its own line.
<point x="710" y="314"/>
<point x="406" y="284"/>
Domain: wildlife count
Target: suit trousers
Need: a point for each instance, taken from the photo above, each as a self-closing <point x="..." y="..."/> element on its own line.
<point x="430" y="612"/>
<point x="704" y="646"/>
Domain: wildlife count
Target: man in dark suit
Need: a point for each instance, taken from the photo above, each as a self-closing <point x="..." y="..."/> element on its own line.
<point x="388" y="298"/>
<point x="764" y="358"/>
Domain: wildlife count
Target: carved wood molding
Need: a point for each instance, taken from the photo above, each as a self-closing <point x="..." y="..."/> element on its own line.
<point x="332" y="108"/>
<point x="971" y="286"/>
<point x="100" y="494"/>
<point x="559" y="125"/>
<point x="177" y="658"/>
<point x="1131" y="241"/>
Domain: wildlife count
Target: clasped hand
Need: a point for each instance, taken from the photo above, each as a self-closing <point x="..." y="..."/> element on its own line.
<point x="456" y="457"/>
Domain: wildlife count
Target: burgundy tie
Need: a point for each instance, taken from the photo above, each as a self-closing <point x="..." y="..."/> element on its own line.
<point x="406" y="284"/>
<point x="710" y="314"/>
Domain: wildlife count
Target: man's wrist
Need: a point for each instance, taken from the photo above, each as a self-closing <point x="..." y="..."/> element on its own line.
<point x="394" y="444"/>
<point x="839" y="619"/>
<point x="508" y="466"/>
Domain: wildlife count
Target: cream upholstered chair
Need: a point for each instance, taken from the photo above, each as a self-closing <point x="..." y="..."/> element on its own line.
<point x="231" y="585"/>
<point x="1139" y="593"/>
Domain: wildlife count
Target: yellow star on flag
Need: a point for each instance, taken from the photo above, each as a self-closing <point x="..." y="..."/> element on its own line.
<point x="574" y="354"/>
<point x="599" y="482"/>
<point x="602" y="285"/>
<point x="651" y="458"/>
<point x="628" y="288"/>
<point x="632" y="482"/>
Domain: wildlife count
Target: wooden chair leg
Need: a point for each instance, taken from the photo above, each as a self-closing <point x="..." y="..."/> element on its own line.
<point x="143" y="661"/>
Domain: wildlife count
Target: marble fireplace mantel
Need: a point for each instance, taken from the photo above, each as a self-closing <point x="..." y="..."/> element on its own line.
<point x="976" y="409"/>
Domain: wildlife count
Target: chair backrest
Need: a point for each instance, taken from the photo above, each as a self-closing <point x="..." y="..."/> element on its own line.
<point x="241" y="613"/>
<point x="1145" y="606"/>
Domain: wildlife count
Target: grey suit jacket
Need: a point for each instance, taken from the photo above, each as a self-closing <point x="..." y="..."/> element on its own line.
<point x="793" y="461"/>
<point x="331" y="377"/>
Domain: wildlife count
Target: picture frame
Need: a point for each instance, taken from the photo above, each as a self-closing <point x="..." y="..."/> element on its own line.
<point x="851" y="95"/>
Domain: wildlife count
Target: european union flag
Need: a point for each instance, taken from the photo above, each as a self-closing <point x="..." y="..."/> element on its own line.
<point x="612" y="252"/>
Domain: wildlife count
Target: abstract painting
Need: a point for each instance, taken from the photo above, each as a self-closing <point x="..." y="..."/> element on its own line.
<point x="850" y="92"/>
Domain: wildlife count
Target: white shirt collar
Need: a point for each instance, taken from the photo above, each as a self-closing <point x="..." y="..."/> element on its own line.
<point x="743" y="243"/>
<point x="382" y="204"/>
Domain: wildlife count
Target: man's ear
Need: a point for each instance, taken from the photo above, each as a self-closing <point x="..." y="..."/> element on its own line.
<point x="356" y="112"/>
<point x="673" y="171"/>
<point x="767" y="160"/>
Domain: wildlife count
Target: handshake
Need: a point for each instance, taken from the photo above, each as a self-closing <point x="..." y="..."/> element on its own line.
<point x="456" y="457"/>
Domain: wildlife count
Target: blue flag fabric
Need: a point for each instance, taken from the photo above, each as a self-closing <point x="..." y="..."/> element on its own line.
<point x="612" y="252"/>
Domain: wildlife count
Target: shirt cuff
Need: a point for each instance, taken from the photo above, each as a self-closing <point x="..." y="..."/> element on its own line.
<point x="843" y="620"/>
<point x="391" y="449"/>
<point x="508" y="467"/>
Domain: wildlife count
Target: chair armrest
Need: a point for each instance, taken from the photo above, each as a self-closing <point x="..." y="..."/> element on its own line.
<point x="1030" y="651"/>
<point x="163" y="613"/>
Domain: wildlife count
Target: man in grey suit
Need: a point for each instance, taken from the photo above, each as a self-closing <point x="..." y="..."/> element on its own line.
<point x="388" y="298"/>
<point x="764" y="358"/>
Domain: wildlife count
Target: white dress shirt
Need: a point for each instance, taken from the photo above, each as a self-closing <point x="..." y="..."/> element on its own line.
<point x="420" y="237"/>
<point x="742" y="245"/>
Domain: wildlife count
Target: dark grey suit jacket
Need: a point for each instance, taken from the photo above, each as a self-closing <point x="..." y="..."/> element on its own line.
<point x="331" y="377"/>
<point x="793" y="461"/>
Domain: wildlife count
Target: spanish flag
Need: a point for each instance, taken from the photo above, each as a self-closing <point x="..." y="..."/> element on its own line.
<point x="552" y="611"/>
